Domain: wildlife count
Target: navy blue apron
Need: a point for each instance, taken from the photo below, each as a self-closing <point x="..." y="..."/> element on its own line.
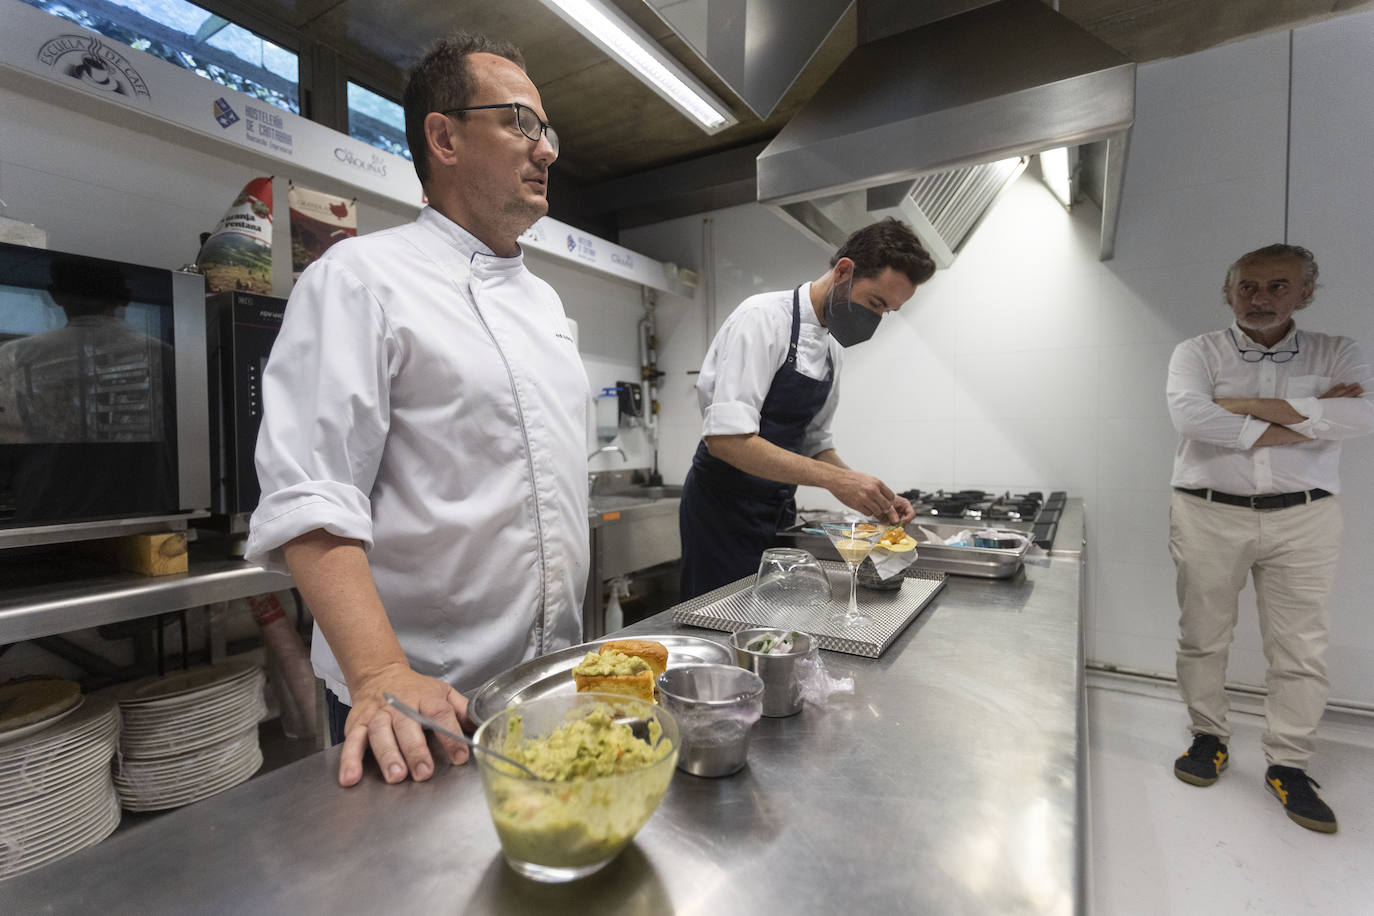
<point x="728" y="518"/>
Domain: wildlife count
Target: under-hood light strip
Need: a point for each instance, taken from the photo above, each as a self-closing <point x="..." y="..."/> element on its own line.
<point x="613" y="32"/>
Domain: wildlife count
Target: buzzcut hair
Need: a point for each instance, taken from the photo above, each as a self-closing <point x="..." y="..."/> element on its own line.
<point x="1272" y="252"/>
<point x="441" y="80"/>
<point x="887" y="243"/>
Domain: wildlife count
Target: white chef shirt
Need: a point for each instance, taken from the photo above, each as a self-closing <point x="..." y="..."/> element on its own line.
<point x="1217" y="447"/>
<point x="747" y="352"/>
<point x="426" y="398"/>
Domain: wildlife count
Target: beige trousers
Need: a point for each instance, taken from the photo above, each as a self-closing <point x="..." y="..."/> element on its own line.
<point x="1292" y="555"/>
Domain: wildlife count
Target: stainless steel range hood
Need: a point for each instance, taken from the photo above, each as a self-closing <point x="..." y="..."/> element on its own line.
<point x="930" y="124"/>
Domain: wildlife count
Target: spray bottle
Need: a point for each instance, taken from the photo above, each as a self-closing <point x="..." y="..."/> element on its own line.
<point x="615" y="616"/>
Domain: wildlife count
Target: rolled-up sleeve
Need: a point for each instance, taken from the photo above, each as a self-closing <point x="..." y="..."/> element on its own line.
<point x="326" y="408"/>
<point x="1191" y="405"/>
<point x="747" y="358"/>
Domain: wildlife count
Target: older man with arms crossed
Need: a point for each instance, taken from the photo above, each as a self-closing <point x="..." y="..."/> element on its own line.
<point x="1262" y="408"/>
<point x="422" y="452"/>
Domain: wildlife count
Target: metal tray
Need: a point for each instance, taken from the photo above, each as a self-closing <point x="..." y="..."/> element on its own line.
<point x="982" y="562"/>
<point x="551" y="674"/>
<point x="732" y="607"/>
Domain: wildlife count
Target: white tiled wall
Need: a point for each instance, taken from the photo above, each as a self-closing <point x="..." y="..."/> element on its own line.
<point x="1030" y="363"/>
<point x="1331" y="210"/>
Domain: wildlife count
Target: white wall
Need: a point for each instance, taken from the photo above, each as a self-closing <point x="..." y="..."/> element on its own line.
<point x="1030" y="364"/>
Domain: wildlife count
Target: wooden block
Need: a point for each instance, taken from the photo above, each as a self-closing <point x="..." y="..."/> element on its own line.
<point x="145" y="554"/>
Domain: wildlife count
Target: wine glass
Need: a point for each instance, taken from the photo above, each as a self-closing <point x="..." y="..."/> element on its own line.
<point x="853" y="540"/>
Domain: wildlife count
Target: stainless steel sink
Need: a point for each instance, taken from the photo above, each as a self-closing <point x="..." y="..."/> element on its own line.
<point x="616" y="502"/>
<point x="633" y="526"/>
<point x="630" y="498"/>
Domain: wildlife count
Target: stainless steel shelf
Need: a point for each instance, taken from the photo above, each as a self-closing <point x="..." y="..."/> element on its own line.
<point x="49" y="594"/>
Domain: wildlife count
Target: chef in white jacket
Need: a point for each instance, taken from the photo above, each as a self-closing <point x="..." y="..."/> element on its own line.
<point x="422" y="453"/>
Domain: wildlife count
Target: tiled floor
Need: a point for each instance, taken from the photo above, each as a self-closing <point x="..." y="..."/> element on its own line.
<point x="1160" y="847"/>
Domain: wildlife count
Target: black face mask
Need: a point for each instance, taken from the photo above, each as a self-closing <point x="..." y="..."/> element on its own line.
<point x="848" y="321"/>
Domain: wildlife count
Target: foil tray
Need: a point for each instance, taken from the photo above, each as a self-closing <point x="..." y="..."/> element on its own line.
<point x="732" y="607"/>
<point x="979" y="562"/>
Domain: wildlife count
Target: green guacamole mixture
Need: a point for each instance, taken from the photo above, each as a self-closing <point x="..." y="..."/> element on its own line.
<point x="610" y="663"/>
<point x="584" y="748"/>
<point x="578" y="819"/>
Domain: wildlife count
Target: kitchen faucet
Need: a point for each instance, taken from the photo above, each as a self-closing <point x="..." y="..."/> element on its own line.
<point x="592" y="475"/>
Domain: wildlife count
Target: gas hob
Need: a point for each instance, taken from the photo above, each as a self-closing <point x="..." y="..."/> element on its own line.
<point x="1032" y="512"/>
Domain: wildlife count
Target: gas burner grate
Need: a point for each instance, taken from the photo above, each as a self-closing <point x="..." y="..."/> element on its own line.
<point x="1031" y="507"/>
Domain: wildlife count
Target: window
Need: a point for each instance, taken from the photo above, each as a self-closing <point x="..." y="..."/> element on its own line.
<point x="376" y="120"/>
<point x="195" y="39"/>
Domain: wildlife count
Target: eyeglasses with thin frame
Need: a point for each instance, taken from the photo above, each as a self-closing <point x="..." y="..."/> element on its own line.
<point x="1254" y="356"/>
<point x="530" y="124"/>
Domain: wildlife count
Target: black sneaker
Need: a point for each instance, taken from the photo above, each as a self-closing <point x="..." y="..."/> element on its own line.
<point x="1293" y="787"/>
<point x="1203" y="762"/>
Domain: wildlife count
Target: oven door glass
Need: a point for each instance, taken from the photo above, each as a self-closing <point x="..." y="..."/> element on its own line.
<point x="87" y="390"/>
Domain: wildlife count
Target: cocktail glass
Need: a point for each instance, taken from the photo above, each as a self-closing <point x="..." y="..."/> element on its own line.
<point x="854" y="540"/>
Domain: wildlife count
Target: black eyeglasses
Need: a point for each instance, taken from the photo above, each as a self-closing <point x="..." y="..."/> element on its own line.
<point x="1254" y="356"/>
<point x="530" y="124"/>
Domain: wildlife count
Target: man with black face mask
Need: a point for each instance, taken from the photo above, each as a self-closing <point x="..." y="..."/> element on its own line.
<point x="768" y="390"/>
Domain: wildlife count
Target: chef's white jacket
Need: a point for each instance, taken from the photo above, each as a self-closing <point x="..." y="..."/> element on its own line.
<point x="426" y="398"/>
<point x="747" y="352"/>
<point x="1217" y="448"/>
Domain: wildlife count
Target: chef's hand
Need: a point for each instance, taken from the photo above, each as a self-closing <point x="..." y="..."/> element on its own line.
<point x="867" y="494"/>
<point x="1344" y="390"/>
<point x="398" y="742"/>
<point x="905" y="511"/>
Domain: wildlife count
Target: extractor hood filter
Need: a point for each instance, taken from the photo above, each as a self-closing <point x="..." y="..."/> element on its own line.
<point x="942" y="208"/>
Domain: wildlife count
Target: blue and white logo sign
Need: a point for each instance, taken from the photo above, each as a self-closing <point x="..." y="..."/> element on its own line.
<point x="583" y="246"/>
<point x="267" y="128"/>
<point x="224" y="112"/>
<point x="94" y="64"/>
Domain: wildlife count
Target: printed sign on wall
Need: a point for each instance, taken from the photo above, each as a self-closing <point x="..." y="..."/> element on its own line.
<point x="318" y="220"/>
<point x="238" y="254"/>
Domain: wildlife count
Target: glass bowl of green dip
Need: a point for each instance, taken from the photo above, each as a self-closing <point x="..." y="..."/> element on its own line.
<point x="606" y="761"/>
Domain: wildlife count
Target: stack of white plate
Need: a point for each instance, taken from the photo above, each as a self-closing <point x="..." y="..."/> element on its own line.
<point x="55" y="791"/>
<point x="188" y="735"/>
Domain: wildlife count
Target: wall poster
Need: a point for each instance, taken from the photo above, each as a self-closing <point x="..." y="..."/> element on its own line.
<point x="318" y="220"/>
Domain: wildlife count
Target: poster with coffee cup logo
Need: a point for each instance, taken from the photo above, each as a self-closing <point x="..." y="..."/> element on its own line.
<point x="318" y="220"/>
<point x="238" y="254"/>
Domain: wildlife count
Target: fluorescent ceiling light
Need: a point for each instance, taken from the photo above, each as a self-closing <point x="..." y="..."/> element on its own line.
<point x="616" y="34"/>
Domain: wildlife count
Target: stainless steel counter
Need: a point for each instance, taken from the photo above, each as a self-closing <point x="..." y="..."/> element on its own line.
<point x="948" y="782"/>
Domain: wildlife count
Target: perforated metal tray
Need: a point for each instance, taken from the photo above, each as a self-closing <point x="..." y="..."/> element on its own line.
<point x="732" y="607"/>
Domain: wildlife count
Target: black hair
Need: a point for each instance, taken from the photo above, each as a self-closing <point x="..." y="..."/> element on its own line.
<point x="887" y="243"/>
<point x="442" y="80"/>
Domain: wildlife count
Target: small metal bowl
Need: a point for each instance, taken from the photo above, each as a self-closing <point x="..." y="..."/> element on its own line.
<point x="782" y="681"/>
<point x="715" y="707"/>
